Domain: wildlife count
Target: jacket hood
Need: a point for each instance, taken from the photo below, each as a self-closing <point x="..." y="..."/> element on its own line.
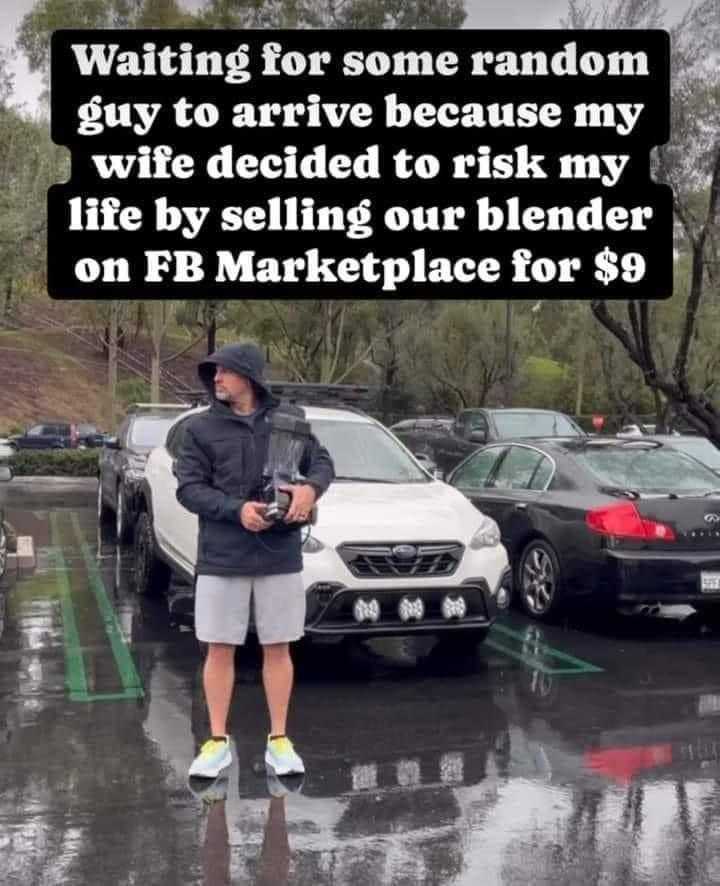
<point x="245" y="359"/>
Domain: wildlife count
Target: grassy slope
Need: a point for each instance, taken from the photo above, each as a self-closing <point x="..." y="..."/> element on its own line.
<point x="47" y="375"/>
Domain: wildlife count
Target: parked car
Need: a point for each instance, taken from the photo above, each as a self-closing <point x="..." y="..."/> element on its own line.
<point x="90" y="436"/>
<point x="447" y="445"/>
<point x="393" y="552"/>
<point x="7" y="448"/>
<point x="699" y="447"/>
<point x="6" y="533"/>
<point x="121" y="462"/>
<point x="622" y="521"/>
<point x="634" y="430"/>
<point x="48" y="435"/>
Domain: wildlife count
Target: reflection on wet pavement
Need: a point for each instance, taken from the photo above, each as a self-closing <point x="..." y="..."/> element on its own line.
<point x="424" y="767"/>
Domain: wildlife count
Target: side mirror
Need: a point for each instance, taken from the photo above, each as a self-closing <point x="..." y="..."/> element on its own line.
<point x="6" y="473"/>
<point x="111" y="443"/>
<point x="478" y="436"/>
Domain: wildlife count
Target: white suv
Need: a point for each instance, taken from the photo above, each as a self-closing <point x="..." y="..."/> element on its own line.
<point x="393" y="552"/>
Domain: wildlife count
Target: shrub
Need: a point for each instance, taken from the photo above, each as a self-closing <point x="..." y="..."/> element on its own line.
<point x="55" y="463"/>
<point x="133" y="390"/>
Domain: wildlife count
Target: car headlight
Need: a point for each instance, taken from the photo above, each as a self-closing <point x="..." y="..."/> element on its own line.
<point x="312" y="545"/>
<point x="487" y="535"/>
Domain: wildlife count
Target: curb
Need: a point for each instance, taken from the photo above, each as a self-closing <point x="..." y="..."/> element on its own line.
<point x="23" y="559"/>
<point x="50" y="478"/>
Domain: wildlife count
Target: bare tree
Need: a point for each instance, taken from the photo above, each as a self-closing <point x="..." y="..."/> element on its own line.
<point x="690" y="164"/>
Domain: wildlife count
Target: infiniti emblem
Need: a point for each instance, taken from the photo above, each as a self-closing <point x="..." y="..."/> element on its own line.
<point x="712" y="518"/>
<point x="409" y="552"/>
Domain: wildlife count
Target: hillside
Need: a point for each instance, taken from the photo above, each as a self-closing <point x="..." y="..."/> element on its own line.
<point x="52" y="374"/>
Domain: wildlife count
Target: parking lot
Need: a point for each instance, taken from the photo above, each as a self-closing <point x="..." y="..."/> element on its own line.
<point x="585" y="751"/>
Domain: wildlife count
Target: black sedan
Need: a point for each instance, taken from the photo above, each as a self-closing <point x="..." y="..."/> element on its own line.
<point x="121" y="465"/>
<point x="615" y="520"/>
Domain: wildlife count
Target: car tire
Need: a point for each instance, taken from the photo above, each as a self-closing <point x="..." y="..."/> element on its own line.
<point x="104" y="513"/>
<point x="151" y="575"/>
<point x="3" y="552"/>
<point x="123" y="526"/>
<point x="538" y="583"/>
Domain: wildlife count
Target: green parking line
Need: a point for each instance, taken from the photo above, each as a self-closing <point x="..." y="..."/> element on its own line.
<point x="132" y="684"/>
<point x="578" y="666"/>
<point x="75" y="679"/>
<point x="75" y="674"/>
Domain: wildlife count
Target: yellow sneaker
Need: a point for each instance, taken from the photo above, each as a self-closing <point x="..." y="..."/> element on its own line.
<point x="214" y="756"/>
<point x="281" y="756"/>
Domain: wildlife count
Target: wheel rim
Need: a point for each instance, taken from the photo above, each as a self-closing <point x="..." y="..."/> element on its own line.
<point x="119" y="513"/>
<point x="538" y="581"/>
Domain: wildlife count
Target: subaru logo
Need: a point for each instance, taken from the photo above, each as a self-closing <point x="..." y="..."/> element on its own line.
<point x="712" y="518"/>
<point x="407" y="552"/>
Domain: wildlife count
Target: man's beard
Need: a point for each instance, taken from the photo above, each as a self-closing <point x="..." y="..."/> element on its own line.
<point x="223" y="396"/>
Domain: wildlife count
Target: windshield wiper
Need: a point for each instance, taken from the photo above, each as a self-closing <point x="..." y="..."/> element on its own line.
<point x="620" y="490"/>
<point x="366" y="479"/>
<point x="711" y="492"/>
<point x="636" y="493"/>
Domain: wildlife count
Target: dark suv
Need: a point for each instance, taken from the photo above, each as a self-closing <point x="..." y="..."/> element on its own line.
<point x="121" y="464"/>
<point x="48" y="435"/>
<point x="448" y="443"/>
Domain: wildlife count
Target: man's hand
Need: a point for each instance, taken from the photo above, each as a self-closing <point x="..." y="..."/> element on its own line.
<point x="252" y="516"/>
<point x="301" y="503"/>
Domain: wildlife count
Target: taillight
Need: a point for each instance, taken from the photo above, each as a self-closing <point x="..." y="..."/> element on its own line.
<point x="624" y="521"/>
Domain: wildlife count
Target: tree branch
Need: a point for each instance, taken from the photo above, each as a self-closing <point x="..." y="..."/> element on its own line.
<point x="696" y="285"/>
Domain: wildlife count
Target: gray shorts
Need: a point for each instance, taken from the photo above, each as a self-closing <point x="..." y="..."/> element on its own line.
<point x="222" y="608"/>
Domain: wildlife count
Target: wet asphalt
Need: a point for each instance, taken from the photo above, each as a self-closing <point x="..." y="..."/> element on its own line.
<point x="578" y="753"/>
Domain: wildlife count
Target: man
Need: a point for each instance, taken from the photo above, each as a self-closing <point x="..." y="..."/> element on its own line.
<point x="241" y="556"/>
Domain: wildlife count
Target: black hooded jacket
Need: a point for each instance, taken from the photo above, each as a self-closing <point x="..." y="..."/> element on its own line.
<point x="220" y="468"/>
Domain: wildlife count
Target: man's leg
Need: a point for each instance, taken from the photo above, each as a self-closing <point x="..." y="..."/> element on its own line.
<point x="280" y="619"/>
<point x="222" y="609"/>
<point x="278" y="682"/>
<point x="219" y="681"/>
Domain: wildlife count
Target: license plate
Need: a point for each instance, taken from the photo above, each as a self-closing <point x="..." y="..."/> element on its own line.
<point x="708" y="704"/>
<point x="710" y="582"/>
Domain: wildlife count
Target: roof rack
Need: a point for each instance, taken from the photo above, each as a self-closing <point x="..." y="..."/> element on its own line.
<point x="350" y="397"/>
<point x="155" y="407"/>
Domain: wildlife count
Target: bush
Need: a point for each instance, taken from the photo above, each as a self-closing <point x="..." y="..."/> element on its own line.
<point x="133" y="390"/>
<point x="55" y="463"/>
<point x="544" y="384"/>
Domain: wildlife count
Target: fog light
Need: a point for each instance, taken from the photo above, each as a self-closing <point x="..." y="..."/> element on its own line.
<point x="453" y="607"/>
<point x="366" y="610"/>
<point x="411" y="609"/>
<point x="503" y="596"/>
<point x="364" y="777"/>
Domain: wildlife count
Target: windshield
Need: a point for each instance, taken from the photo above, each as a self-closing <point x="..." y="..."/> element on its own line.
<point x="366" y="452"/>
<point x="535" y="424"/>
<point x="647" y="470"/>
<point x="701" y="449"/>
<point x="150" y="431"/>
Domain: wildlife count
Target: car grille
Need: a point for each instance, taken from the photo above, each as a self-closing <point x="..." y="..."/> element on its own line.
<point x="385" y="560"/>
